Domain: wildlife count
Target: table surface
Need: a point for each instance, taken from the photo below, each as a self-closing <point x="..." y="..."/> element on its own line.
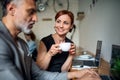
<point x="103" y="69"/>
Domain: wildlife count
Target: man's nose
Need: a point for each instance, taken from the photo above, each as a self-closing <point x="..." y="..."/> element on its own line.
<point x="35" y="18"/>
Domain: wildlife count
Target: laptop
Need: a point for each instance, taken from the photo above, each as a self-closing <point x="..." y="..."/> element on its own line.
<point x="114" y="74"/>
<point x="115" y="55"/>
<point x="90" y="62"/>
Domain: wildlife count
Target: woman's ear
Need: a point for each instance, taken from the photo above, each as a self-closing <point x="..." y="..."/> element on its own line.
<point x="71" y="28"/>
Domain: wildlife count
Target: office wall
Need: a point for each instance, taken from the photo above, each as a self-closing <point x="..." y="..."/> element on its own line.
<point x="101" y="22"/>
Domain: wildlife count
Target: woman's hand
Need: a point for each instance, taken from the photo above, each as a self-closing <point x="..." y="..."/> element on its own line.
<point x="72" y="50"/>
<point x="54" y="49"/>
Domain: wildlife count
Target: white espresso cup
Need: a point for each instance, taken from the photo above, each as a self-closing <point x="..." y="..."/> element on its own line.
<point x="65" y="46"/>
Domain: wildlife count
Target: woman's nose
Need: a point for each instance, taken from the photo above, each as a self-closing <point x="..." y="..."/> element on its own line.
<point x="61" y="25"/>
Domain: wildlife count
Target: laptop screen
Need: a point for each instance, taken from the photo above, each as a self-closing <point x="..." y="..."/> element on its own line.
<point x="115" y="62"/>
<point x="98" y="52"/>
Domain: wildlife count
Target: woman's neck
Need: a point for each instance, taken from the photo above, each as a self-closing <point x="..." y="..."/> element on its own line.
<point x="58" y="39"/>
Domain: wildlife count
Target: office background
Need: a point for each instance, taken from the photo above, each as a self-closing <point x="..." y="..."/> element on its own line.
<point x="101" y="22"/>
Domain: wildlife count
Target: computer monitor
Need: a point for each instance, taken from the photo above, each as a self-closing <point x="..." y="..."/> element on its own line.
<point x="115" y="62"/>
<point x="115" y="51"/>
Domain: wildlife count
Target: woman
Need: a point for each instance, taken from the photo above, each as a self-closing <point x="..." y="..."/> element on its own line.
<point x="30" y="38"/>
<point x="50" y="57"/>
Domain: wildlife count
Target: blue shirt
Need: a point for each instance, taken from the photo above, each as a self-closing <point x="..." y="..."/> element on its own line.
<point x="32" y="46"/>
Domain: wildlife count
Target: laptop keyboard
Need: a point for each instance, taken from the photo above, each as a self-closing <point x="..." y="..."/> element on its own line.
<point x="89" y="63"/>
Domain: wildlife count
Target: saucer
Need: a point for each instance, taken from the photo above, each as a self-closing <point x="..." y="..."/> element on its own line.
<point x="86" y="56"/>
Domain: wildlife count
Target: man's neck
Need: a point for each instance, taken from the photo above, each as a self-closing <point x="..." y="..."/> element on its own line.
<point x="11" y="28"/>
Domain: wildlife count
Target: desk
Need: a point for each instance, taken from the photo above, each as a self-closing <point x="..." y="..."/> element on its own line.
<point x="103" y="69"/>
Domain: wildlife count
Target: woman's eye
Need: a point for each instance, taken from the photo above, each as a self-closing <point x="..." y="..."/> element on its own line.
<point x="66" y="23"/>
<point x="58" y="21"/>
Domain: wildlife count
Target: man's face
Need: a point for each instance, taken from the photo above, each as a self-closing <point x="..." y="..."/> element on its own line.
<point x="25" y="16"/>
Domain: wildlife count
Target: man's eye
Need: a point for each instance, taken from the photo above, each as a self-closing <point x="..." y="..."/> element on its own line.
<point x="31" y="12"/>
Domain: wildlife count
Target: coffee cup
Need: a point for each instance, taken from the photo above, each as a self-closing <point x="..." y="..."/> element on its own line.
<point x="65" y="46"/>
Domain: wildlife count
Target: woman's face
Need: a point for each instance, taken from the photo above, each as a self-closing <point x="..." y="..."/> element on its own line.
<point x="63" y="25"/>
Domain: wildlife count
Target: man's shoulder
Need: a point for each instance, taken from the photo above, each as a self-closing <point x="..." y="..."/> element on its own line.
<point x="2" y="37"/>
<point x="2" y="41"/>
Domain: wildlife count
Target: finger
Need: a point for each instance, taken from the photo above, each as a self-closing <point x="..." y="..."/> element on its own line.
<point x="92" y="72"/>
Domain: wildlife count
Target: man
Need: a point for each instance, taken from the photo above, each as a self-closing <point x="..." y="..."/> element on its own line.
<point x="15" y="61"/>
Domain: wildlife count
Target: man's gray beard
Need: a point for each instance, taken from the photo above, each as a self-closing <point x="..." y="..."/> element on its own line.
<point x="26" y="30"/>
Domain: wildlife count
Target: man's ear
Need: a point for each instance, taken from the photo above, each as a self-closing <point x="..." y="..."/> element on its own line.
<point x="11" y="9"/>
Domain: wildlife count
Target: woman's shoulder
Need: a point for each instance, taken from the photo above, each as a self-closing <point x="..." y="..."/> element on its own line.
<point x="47" y="38"/>
<point x="68" y="40"/>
